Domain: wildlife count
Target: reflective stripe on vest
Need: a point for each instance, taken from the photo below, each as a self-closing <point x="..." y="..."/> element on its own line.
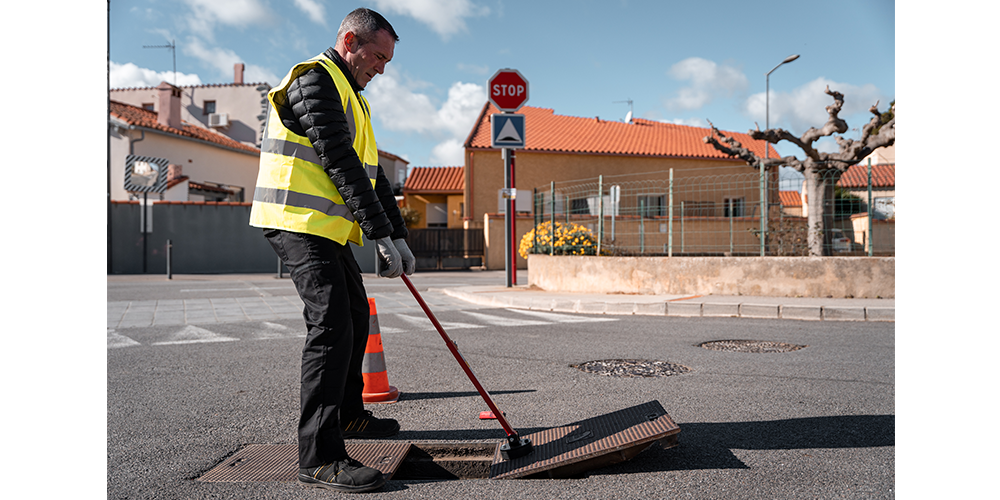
<point x="293" y="192"/>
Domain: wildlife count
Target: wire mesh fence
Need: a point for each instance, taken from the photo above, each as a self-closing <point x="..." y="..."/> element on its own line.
<point x="672" y="213"/>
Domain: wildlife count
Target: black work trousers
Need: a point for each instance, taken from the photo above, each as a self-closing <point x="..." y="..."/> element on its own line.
<point x="328" y="280"/>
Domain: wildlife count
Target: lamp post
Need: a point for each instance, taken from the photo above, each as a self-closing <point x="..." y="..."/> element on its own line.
<point x="763" y="169"/>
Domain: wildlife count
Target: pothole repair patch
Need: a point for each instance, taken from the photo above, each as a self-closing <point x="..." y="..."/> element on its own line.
<point x="631" y="368"/>
<point x="756" y="346"/>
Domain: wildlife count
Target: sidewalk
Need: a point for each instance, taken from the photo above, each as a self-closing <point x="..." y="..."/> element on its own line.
<point x="816" y="309"/>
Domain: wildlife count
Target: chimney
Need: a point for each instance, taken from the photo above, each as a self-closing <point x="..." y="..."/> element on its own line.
<point x="169" y="109"/>
<point x="238" y="73"/>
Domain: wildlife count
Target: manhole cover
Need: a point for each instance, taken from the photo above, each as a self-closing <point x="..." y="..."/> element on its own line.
<point x="760" y="346"/>
<point x="631" y="368"/>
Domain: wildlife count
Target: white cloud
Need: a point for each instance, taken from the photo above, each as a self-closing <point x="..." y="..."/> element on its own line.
<point x="315" y="10"/>
<point x="445" y="17"/>
<point x="239" y="13"/>
<point x="399" y="107"/>
<point x="224" y="59"/>
<point x="708" y="80"/>
<point x="129" y="75"/>
<point x="449" y="153"/>
<point x="805" y="106"/>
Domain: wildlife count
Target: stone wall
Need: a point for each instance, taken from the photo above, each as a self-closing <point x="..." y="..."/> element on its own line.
<point x="839" y="277"/>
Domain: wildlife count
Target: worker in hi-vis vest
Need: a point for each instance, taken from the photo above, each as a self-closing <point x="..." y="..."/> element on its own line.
<point x="320" y="187"/>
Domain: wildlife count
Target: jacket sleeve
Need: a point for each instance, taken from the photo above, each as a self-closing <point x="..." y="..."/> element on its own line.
<point x="314" y="110"/>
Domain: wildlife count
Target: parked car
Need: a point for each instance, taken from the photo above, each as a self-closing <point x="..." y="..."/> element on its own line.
<point x="840" y="242"/>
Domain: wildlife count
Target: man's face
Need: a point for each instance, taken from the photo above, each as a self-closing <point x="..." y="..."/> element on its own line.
<point x="366" y="61"/>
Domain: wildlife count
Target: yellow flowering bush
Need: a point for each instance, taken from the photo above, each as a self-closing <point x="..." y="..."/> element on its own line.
<point x="569" y="239"/>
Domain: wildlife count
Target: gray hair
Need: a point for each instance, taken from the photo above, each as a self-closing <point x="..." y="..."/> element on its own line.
<point x="364" y="23"/>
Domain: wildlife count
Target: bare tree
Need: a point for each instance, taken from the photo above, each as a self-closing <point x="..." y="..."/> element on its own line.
<point x="821" y="170"/>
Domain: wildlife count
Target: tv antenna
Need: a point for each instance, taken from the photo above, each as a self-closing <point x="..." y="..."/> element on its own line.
<point x="628" y="117"/>
<point x="173" y="52"/>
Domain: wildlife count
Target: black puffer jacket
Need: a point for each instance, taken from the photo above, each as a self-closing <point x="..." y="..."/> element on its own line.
<point x="313" y="109"/>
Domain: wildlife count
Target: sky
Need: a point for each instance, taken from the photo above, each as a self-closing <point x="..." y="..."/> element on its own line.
<point x="681" y="62"/>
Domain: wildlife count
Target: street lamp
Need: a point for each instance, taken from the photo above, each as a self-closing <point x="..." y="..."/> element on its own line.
<point x="767" y="150"/>
<point x="767" y="96"/>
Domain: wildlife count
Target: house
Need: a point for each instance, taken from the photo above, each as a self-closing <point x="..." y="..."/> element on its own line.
<point x="883" y="187"/>
<point x="236" y="110"/>
<point x="567" y="148"/>
<point x="204" y="165"/>
<point x="791" y="203"/>
<point x="437" y="193"/>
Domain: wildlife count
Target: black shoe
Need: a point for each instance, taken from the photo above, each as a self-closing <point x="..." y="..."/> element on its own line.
<point x="367" y="426"/>
<point x="349" y="476"/>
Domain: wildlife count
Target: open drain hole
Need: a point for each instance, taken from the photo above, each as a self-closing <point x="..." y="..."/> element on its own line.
<point x="442" y="461"/>
<point x="755" y="346"/>
<point x="632" y="368"/>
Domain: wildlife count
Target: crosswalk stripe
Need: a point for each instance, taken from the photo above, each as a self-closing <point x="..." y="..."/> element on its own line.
<point x="501" y="321"/>
<point x="425" y="323"/>
<point x="563" y="318"/>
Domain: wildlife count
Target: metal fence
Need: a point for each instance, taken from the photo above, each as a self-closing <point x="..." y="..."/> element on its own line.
<point x="675" y="213"/>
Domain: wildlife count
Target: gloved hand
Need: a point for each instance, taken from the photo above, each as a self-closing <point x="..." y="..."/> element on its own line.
<point x="409" y="263"/>
<point x="392" y="263"/>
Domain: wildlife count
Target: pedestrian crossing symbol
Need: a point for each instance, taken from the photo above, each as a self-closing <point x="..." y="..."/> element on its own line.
<point x="507" y="130"/>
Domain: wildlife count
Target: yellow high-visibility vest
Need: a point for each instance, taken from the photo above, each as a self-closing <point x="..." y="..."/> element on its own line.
<point x="293" y="191"/>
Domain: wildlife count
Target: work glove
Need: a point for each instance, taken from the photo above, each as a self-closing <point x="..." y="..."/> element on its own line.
<point x="409" y="263"/>
<point x="392" y="264"/>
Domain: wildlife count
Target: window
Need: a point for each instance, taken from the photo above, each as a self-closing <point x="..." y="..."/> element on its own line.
<point x="208" y="107"/>
<point x="885" y="208"/>
<point x="652" y="205"/>
<point x="148" y="106"/>
<point x="732" y="207"/>
<point x="699" y="208"/>
<point x="437" y="215"/>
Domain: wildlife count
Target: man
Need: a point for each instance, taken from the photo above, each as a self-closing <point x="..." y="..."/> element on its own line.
<point x="320" y="187"/>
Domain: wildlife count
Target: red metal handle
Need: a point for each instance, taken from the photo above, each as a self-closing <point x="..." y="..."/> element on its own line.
<point x="461" y="360"/>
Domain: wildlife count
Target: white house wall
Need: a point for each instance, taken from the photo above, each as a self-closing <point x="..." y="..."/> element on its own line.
<point x="199" y="161"/>
<point x="241" y="102"/>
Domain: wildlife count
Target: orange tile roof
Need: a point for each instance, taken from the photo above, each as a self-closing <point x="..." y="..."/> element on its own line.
<point x="134" y="115"/>
<point x="857" y="176"/>
<point x="435" y="180"/>
<point x="118" y="89"/>
<point x="790" y="198"/>
<point x="547" y="131"/>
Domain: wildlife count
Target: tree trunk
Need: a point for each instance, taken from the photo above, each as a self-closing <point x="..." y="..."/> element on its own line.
<point x="814" y="204"/>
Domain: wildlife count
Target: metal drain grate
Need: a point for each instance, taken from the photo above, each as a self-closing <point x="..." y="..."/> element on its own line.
<point x="566" y="451"/>
<point x="631" y="368"/>
<point x="757" y="346"/>
<point x="280" y="462"/>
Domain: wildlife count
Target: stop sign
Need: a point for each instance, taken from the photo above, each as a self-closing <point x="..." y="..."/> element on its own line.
<point x="508" y="90"/>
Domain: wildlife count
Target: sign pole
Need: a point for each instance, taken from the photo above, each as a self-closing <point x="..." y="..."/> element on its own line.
<point x="507" y="213"/>
<point x="513" y="219"/>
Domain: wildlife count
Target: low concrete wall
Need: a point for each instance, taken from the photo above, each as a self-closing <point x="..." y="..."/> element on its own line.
<point x="853" y="277"/>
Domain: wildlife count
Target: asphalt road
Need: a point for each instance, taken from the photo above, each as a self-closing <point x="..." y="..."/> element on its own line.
<point x="818" y="422"/>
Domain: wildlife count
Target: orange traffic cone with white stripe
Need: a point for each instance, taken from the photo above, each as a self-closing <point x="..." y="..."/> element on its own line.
<point x="377" y="388"/>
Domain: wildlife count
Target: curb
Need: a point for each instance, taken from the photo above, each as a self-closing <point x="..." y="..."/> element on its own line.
<point x="681" y="309"/>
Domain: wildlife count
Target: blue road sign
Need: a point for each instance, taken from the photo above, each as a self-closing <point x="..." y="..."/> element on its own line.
<point x="506" y="130"/>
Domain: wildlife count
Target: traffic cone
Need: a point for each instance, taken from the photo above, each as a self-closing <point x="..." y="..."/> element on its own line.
<point x="377" y="388"/>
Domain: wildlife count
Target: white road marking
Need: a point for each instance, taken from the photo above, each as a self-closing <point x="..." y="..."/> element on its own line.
<point x="194" y="335"/>
<point x="501" y="321"/>
<point x="425" y="324"/>
<point x="562" y="318"/>
<point x="276" y="331"/>
<point x="117" y="340"/>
